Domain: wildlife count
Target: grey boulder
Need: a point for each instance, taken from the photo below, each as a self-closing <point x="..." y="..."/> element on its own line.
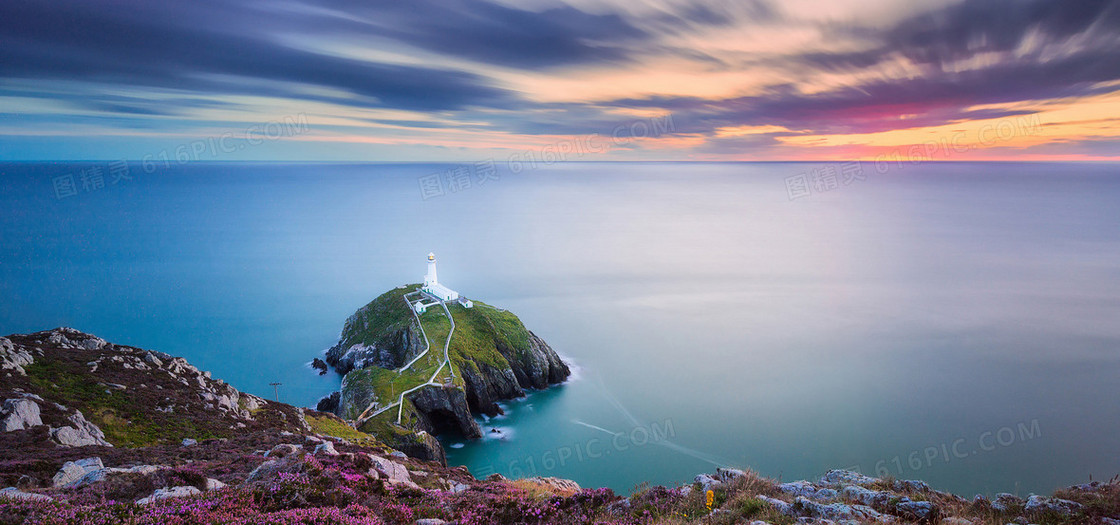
<point x="326" y="448"/>
<point x="13" y="493"/>
<point x="72" y="472"/>
<point x="19" y="414"/>
<point x="169" y="492"/>
<point x="392" y="472"/>
<point x="1062" y="507"/>
<point x="12" y="358"/>
<point x="845" y="477"/>
<point x="82" y="434"/>
<point x="1005" y="502"/>
<point x="283" y="450"/>
<point x="916" y="509"/>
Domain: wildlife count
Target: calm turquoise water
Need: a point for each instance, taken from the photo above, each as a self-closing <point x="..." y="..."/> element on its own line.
<point x="954" y="322"/>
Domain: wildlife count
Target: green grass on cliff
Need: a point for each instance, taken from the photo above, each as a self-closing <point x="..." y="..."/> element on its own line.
<point x="482" y="330"/>
<point x="479" y="331"/>
<point x="387" y="385"/>
<point x="385" y="426"/>
<point x="330" y="426"/>
<point x="382" y="317"/>
<point x="125" y="422"/>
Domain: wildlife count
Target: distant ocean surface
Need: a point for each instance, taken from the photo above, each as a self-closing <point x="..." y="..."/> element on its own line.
<point x="957" y="323"/>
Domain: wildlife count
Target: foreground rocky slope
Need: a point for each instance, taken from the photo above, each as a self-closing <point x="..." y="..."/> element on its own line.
<point x="66" y="388"/>
<point x="276" y="464"/>
<point x="495" y="358"/>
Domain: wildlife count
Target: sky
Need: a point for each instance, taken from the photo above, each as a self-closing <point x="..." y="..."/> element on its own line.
<point x="546" y="80"/>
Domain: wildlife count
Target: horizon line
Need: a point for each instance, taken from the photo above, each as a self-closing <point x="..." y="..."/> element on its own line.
<point x="666" y="161"/>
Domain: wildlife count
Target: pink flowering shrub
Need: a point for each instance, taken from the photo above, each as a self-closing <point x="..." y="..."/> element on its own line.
<point x="315" y="492"/>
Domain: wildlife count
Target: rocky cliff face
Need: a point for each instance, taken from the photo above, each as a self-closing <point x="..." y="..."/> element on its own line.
<point x="538" y="368"/>
<point x="486" y="385"/>
<point x="441" y="408"/>
<point x="392" y="351"/>
<point x="495" y="356"/>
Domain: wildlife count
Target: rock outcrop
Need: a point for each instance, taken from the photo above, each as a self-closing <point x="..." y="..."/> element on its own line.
<point x="25" y="412"/>
<point x="329" y="403"/>
<point x="1005" y="502"/>
<point x="82" y="472"/>
<point x="419" y="444"/>
<point x="19" y="413"/>
<point x="1042" y="504"/>
<point x="560" y="485"/>
<point x="326" y="449"/>
<point x="13" y="359"/>
<point x="538" y="368"/>
<point x="14" y="494"/>
<point x="73" y="472"/>
<point x="390" y="351"/>
<point x="169" y="492"/>
<point x="79" y="433"/>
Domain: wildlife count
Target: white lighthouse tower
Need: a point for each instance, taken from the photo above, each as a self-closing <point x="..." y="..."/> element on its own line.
<point x="430" y="278"/>
<point x="437" y="291"/>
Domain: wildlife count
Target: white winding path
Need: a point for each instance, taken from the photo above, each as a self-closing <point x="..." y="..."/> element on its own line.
<point x="399" y="403"/>
<point x="427" y="345"/>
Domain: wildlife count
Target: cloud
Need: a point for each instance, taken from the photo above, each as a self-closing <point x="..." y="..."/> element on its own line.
<point x="144" y="44"/>
<point x="433" y="68"/>
<point x="494" y="33"/>
<point x="1046" y="50"/>
<point x="982" y="26"/>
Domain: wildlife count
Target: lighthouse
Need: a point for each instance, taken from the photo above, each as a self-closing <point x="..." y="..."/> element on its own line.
<point x="430" y="278"/>
<point x="437" y="291"/>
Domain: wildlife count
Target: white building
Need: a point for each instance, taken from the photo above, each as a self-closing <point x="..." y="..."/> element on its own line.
<point x="433" y="288"/>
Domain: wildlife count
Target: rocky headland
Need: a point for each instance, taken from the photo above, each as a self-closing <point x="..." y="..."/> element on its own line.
<point x="493" y="358"/>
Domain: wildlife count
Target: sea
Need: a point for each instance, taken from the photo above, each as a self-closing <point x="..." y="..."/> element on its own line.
<point x="957" y="323"/>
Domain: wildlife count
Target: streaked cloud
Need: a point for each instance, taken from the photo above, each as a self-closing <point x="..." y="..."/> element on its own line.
<point x="469" y="79"/>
